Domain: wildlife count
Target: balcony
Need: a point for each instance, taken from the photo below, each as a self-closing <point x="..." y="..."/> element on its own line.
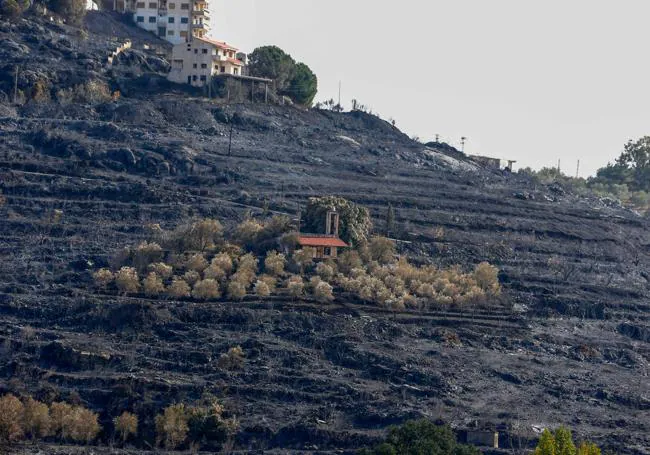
<point x="199" y="27"/>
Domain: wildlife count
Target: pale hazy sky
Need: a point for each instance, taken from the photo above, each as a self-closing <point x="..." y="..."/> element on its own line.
<point x="534" y="81"/>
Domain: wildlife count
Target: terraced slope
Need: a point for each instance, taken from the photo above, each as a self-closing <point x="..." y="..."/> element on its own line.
<point x="568" y="345"/>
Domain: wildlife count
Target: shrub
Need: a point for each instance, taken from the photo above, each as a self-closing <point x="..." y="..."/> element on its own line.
<point x="179" y="288"/>
<point x="214" y="272"/>
<point x="325" y="271"/>
<point x="349" y="260"/>
<point x="11" y="418"/>
<point x="204" y="234"/>
<point x="487" y="277"/>
<point x="247" y="263"/>
<point x="171" y="426"/>
<point x="233" y="359"/>
<point x="323" y="292"/>
<point x="295" y="286"/>
<point x="382" y="250"/>
<point x="126" y="425"/>
<point x="274" y="263"/>
<point x="103" y="277"/>
<point x="262" y="289"/>
<point x="10" y="9"/>
<point x="153" y="285"/>
<point x="304" y="258"/>
<point x="270" y="281"/>
<point x="72" y="11"/>
<point x="85" y="426"/>
<point x="61" y="419"/>
<point x="355" y="219"/>
<point x="206" y="290"/>
<point x="196" y="262"/>
<point x="191" y="277"/>
<point x="236" y="290"/>
<point x="588" y="448"/>
<point x="161" y="269"/>
<point x="146" y="253"/>
<point x="247" y="231"/>
<point x="127" y="280"/>
<point x="36" y="419"/>
<point x="206" y="423"/>
<point x="223" y="261"/>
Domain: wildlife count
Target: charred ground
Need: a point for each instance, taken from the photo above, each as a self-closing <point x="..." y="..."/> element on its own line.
<point x="568" y="345"/>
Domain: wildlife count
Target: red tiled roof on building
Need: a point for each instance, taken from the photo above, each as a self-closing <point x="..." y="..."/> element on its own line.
<point x="318" y="240"/>
<point x="219" y="44"/>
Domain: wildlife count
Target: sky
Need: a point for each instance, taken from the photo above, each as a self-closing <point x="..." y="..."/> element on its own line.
<point x="527" y="80"/>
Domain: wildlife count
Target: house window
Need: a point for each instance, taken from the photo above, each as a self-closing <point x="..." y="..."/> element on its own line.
<point x="236" y="71"/>
<point x="184" y="35"/>
<point x="327" y="252"/>
<point x="185" y="6"/>
<point x="172" y="6"/>
<point x="205" y="51"/>
<point x="194" y="65"/>
<point x="139" y="5"/>
<point x="203" y="78"/>
<point x="223" y="69"/>
<point x="140" y="19"/>
<point x="153" y="5"/>
<point x="204" y="65"/>
<point x="196" y="51"/>
<point x="152" y="19"/>
<point x="170" y="32"/>
<point x="170" y="20"/>
<point x="184" y="20"/>
<point x="194" y="77"/>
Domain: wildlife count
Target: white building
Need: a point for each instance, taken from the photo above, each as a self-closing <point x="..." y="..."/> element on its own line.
<point x="173" y="20"/>
<point x="198" y="60"/>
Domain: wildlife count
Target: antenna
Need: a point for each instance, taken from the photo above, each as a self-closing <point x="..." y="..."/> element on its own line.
<point x="462" y="144"/>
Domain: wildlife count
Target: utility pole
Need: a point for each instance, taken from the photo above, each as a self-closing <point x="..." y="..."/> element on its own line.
<point x="578" y="169"/>
<point x="462" y="144"/>
<point x="437" y="138"/>
<point x="339" y="95"/>
<point x="559" y="169"/>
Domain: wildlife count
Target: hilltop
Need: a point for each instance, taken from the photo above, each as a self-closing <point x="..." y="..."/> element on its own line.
<point x="84" y="173"/>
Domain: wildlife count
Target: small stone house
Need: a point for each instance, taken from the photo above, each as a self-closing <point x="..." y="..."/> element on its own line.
<point x="326" y="246"/>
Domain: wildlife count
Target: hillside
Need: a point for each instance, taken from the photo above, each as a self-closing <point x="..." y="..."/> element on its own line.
<point x="569" y="343"/>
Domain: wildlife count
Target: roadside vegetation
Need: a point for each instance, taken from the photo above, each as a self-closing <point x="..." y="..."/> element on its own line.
<point x="201" y="261"/>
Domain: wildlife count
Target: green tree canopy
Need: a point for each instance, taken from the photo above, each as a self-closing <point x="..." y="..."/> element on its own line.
<point x="422" y="437"/>
<point x="273" y="63"/>
<point x="355" y="222"/>
<point x="295" y="80"/>
<point x="303" y="86"/>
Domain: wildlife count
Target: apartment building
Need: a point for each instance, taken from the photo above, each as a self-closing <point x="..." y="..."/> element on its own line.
<point x="176" y="21"/>
<point x="198" y="60"/>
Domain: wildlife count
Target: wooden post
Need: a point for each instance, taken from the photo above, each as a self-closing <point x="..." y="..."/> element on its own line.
<point x="230" y="140"/>
<point x="16" y="86"/>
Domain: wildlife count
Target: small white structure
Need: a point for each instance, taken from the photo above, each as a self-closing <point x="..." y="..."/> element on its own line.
<point x="198" y="60"/>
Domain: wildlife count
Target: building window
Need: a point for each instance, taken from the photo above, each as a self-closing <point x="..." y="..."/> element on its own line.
<point x="153" y="5"/>
<point x="194" y="77"/>
<point x="172" y="6"/>
<point x="204" y="65"/>
<point x="194" y="65"/>
<point x="184" y="20"/>
<point x="205" y="51"/>
<point x="170" y="32"/>
<point x="140" y="19"/>
<point x="152" y="19"/>
<point x="236" y="71"/>
<point x="184" y="35"/>
<point x="170" y="20"/>
<point x="223" y="69"/>
<point x="203" y="78"/>
<point x="185" y="6"/>
<point x="139" y="5"/>
<point x="196" y="51"/>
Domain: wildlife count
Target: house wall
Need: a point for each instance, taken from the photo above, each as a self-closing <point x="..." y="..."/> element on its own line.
<point x="175" y="19"/>
<point x="483" y="438"/>
<point x="193" y="60"/>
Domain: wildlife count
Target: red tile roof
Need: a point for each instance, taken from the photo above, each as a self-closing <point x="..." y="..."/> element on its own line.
<point x="316" y="240"/>
<point x="219" y="44"/>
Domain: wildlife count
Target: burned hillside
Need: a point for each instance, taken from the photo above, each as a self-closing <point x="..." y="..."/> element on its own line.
<point x="82" y="178"/>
